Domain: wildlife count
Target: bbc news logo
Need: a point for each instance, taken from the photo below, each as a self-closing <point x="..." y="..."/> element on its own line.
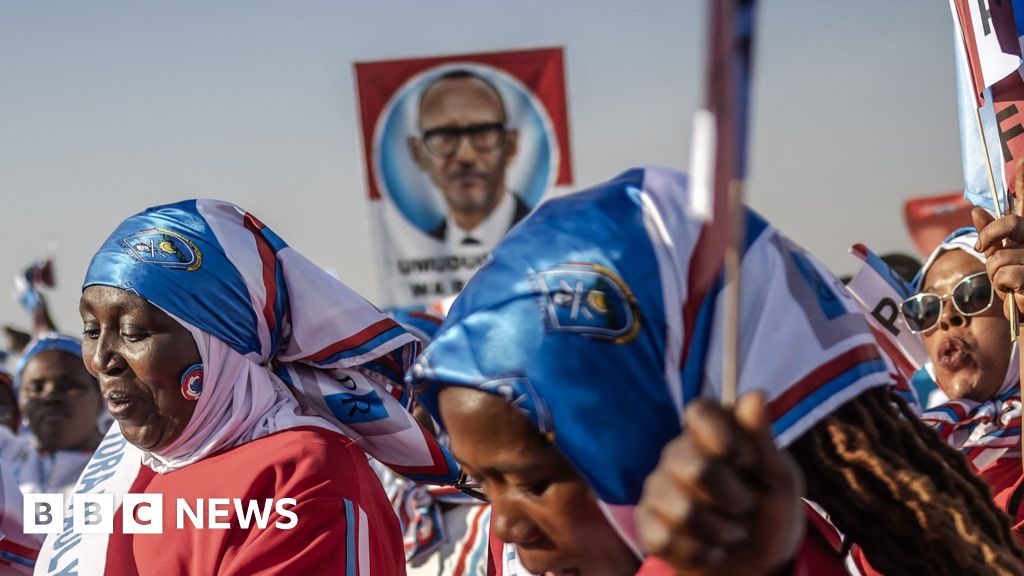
<point x="144" y="513"/>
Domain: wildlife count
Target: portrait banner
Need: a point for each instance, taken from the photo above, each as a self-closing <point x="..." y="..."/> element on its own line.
<point x="457" y="150"/>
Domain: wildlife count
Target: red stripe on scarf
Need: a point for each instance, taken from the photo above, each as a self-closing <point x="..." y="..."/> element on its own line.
<point x="269" y="260"/>
<point x="824" y="373"/>
<point x="694" y="296"/>
<point x="461" y="566"/>
<point x="18" y="549"/>
<point x="355" y="340"/>
<point x="436" y="456"/>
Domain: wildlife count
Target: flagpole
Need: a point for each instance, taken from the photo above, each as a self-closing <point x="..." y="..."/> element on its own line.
<point x="741" y="24"/>
<point x="730" y="355"/>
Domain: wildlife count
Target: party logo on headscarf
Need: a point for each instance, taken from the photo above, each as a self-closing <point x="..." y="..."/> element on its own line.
<point x="519" y="392"/>
<point x="589" y="299"/>
<point x="458" y="149"/>
<point x="164" y="248"/>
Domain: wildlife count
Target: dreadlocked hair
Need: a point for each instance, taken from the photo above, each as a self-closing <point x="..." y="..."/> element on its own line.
<point x="908" y="499"/>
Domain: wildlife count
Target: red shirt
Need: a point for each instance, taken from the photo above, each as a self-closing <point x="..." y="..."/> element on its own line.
<point x="344" y="523"/>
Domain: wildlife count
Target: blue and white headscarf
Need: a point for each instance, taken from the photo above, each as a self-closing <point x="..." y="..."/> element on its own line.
<point x="44" y="343"/>
<point x="584" y="319"/>
<point x="283" y="344"/>
<point x="261" y="314"/>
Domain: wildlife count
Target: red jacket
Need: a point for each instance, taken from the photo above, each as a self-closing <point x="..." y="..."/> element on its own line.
<point x="344" y="520"/>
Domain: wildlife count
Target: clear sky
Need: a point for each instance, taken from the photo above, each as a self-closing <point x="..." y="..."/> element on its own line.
<point x="107" y="107"/>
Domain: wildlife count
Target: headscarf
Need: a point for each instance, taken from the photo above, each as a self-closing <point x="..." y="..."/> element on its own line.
<point x="984" y="431"/>
<point x="283" y="344"/>
<point x="263" y="317"/>
<point x="586" y="321"/>
<point x="44" y="343"/>
<point x="7" y="381"/>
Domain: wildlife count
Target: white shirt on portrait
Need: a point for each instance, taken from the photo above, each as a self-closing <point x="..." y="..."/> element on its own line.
<point x="489" y="232"/>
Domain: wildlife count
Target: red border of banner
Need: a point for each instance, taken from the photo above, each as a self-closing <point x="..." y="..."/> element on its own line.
<point x="542" y="70"/>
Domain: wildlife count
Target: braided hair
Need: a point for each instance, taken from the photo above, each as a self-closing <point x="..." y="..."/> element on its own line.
<point x="872" y="464"/>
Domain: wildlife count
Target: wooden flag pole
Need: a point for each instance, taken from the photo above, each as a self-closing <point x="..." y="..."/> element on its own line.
<point x="731" y="346"/>
<point x="732" y="46"/>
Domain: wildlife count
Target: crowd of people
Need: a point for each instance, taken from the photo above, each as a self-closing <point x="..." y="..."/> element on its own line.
<point x="564" y="418"/>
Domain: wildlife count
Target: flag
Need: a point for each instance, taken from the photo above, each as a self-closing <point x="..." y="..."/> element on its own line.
<point x="879" y="291"/>
<point x="990" y="90"/>
<point x="930" y="219"/>
<point x="27" y="284"/>
<point x="719" y="158"/>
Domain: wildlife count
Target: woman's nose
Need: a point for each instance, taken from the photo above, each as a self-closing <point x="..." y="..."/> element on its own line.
<point x="951" y="317"/>
<point x="511" y="524"/>
<point x="102" y="358"/>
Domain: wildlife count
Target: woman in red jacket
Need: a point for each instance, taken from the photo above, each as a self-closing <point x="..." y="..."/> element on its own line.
<point x="247" y="386"/>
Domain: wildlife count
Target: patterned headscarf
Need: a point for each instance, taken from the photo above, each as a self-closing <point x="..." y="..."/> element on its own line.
<point x="269" y="325"/>
<point x="44" y="343"/>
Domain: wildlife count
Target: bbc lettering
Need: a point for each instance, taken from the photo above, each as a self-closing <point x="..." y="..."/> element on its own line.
<point x="144" y="513"/>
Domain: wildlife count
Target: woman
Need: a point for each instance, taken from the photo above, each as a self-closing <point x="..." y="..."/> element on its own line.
<point x="10" y="416"/>
<point x="61" y="402"/>
<point x="973" y="362"/>
<point x="567" y="345"/>
<point x="235" y="368"/>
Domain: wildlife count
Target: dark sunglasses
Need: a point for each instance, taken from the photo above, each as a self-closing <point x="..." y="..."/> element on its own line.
<point x="971" y="296"/>
<point x="470" y="487"/>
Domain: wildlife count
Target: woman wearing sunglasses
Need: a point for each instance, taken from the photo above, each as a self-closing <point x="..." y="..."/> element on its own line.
<point x="959" y="316"/>
<point x="967" y="337"/>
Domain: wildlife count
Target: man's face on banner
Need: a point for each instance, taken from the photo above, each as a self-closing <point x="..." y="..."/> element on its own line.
<point x="464" y="145"/>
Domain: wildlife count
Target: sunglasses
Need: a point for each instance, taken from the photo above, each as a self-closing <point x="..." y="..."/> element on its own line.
<point x="971" y="296"/>
<point x="469" y="487"/>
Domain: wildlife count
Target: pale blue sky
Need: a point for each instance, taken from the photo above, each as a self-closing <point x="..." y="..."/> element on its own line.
<point x="109" y="107"/>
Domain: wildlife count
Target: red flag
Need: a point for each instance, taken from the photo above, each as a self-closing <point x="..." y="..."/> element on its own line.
<point x="931" y="218"/>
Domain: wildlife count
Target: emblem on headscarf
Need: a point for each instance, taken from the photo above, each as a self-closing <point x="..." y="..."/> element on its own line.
<point x="164" y="248"/>
<point x="591" y="300"/>
<point x="519" y="392"/>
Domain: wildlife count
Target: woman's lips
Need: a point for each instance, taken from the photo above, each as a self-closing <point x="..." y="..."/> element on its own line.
<point x="121" y="405"/>
<point x="953" y="354"/>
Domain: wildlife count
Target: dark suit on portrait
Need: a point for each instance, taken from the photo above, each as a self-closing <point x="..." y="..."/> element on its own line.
<point x="440" y="232"/>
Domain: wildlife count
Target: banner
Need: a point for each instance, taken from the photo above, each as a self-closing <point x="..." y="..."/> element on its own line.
<point x="930" y="219"/>
<point x="457" y="150"/>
